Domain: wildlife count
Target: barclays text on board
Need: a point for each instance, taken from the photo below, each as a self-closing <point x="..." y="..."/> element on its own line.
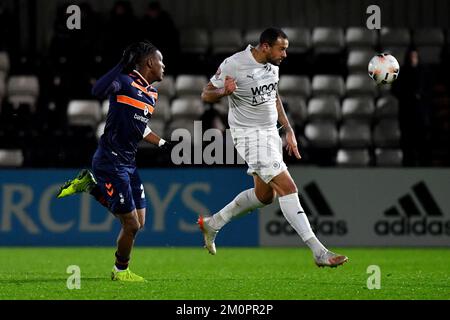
<point x="346" y="207"/>
<point x="31" y="215"/>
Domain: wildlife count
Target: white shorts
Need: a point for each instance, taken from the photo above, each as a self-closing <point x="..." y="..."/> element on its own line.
<point x="262" y="150"/>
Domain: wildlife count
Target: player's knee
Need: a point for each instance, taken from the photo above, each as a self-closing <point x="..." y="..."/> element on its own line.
<point x="289" y="188"/>
<point x="293" y="190"/>
<point x="267" y="197"/>
<point x="135" y="228"/>
<point x="141" y="218"/>
<point x="132" y="226"/>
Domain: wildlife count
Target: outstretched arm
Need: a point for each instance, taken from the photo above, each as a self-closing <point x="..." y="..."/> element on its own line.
<point x="291" y="146"/>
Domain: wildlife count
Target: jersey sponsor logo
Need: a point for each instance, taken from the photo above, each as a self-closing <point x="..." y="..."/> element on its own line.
<point x="141" y="118"/>
<point x="264" y="93"/>
<point x="264" y="89"/>
<point x="139" y="93"/>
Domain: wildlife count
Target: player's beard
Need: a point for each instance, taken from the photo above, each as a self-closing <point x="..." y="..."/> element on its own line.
<point x="276" y="62"/>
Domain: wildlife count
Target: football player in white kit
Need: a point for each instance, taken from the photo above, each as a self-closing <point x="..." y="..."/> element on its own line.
<point x="250" y="80"/>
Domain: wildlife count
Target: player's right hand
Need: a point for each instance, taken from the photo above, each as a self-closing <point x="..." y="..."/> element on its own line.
<point x="229" y="85"/>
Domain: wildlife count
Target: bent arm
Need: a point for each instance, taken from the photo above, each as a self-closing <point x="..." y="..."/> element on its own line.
<point x="106" y="84"/>
<point x="212" y="94"/>
<point x="153" y="138"/>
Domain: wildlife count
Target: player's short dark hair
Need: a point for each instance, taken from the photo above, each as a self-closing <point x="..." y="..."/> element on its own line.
<point x="136" y="53"/>
<point x="270" y="35"/>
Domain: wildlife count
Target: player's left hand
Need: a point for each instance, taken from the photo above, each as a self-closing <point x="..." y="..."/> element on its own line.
<point x="166" y="146"/>
<point x="291" y="144"/>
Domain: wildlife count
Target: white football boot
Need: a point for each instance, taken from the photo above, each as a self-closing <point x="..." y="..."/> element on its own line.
<point x="330" y="259"/>
<point x="209" y="234"/>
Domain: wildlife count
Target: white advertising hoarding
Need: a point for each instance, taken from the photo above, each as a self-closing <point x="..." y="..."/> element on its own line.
<point x="366" y="207"/>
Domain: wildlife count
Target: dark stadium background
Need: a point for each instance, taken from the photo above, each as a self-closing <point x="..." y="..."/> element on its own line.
<point x="408" y="125"/>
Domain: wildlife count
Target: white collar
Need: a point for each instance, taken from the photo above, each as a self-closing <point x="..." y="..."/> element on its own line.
<point x="250" y="54"/>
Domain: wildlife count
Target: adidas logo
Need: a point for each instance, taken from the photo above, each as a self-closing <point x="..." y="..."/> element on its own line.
<point x="323" y="223"/>
<point x="413" y="222"/>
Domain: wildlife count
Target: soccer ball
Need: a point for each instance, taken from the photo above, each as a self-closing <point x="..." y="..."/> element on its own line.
<point x="383" y="68"/>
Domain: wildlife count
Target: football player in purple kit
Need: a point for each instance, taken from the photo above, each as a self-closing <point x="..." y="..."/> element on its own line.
<point x="114" y="180"/>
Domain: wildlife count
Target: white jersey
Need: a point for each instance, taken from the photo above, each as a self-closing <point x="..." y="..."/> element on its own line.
<point x="253" y="104"/>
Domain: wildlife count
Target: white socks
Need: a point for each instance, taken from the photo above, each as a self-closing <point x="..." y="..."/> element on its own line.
<point x="244" y="202"/>
<point x="118" y="270"/>
<point x="295" y="215"/>
<point x="247" y="201"/>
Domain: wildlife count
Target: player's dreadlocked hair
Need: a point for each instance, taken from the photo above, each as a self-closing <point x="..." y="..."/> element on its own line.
<point x="135" y="53"/>
<point x="270" y="36"/>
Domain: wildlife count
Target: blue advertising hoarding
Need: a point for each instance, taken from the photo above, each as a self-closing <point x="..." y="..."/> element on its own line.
<point x="31" y="215"/>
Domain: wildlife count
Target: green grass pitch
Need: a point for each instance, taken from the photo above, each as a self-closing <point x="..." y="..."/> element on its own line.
<point x="234" y="273"/>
